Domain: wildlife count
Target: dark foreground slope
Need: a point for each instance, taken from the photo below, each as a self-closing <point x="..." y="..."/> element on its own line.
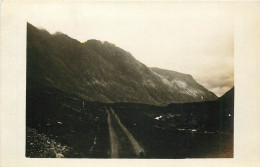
<point x="98" y="71"/>
<point x="61" y="124"/>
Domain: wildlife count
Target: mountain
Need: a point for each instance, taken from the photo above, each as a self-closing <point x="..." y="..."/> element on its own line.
<point x="185" y="84"/>
<point x="227" y="109"/>
<point x="101" y="71"/>
<point x="228" y="97"/>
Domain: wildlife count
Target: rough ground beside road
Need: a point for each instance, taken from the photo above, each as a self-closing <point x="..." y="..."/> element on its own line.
<point x="123" y="144"/>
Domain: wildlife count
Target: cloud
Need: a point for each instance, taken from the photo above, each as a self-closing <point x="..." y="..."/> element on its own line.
<point x="219" y="84"/>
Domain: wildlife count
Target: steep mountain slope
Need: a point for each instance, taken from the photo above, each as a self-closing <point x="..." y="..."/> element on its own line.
<point x="99" y="71"/>
<point x="185" y="83"/>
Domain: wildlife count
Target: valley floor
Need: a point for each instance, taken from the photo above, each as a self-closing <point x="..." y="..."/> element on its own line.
<point x="60" y="125"/>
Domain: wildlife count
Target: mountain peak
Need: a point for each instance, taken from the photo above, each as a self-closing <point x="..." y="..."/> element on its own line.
<point x="95" y="41"/>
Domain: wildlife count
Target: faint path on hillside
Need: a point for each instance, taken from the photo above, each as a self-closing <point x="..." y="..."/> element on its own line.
<point x="123" y="144"/>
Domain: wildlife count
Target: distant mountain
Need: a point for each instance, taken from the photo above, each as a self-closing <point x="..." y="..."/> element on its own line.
<point x="227" y="108"/>
<point x="228" y="97"/>
<point x="185" y="85"/>
<point x="101" y="71"/>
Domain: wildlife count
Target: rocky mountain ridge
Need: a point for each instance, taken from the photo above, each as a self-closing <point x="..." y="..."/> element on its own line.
<point x="101" y="71"/>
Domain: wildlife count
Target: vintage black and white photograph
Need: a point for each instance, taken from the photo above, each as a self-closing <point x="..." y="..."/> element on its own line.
<point x="130" y="80"/>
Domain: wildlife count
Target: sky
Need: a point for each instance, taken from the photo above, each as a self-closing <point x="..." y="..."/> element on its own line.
<point x="192" y="38"/>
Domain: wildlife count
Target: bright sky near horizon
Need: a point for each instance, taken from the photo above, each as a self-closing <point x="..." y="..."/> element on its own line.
<point x="193" y="38"/>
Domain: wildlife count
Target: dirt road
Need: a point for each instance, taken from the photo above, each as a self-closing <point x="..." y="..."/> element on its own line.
<point x="123" y="144"/>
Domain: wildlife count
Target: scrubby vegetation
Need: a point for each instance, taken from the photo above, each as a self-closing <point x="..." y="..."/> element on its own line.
<point x="68" y="120"/>
<point x="61" y="120"/>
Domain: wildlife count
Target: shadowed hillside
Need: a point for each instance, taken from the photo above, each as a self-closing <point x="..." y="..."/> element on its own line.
<point x="100" y="71"/>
